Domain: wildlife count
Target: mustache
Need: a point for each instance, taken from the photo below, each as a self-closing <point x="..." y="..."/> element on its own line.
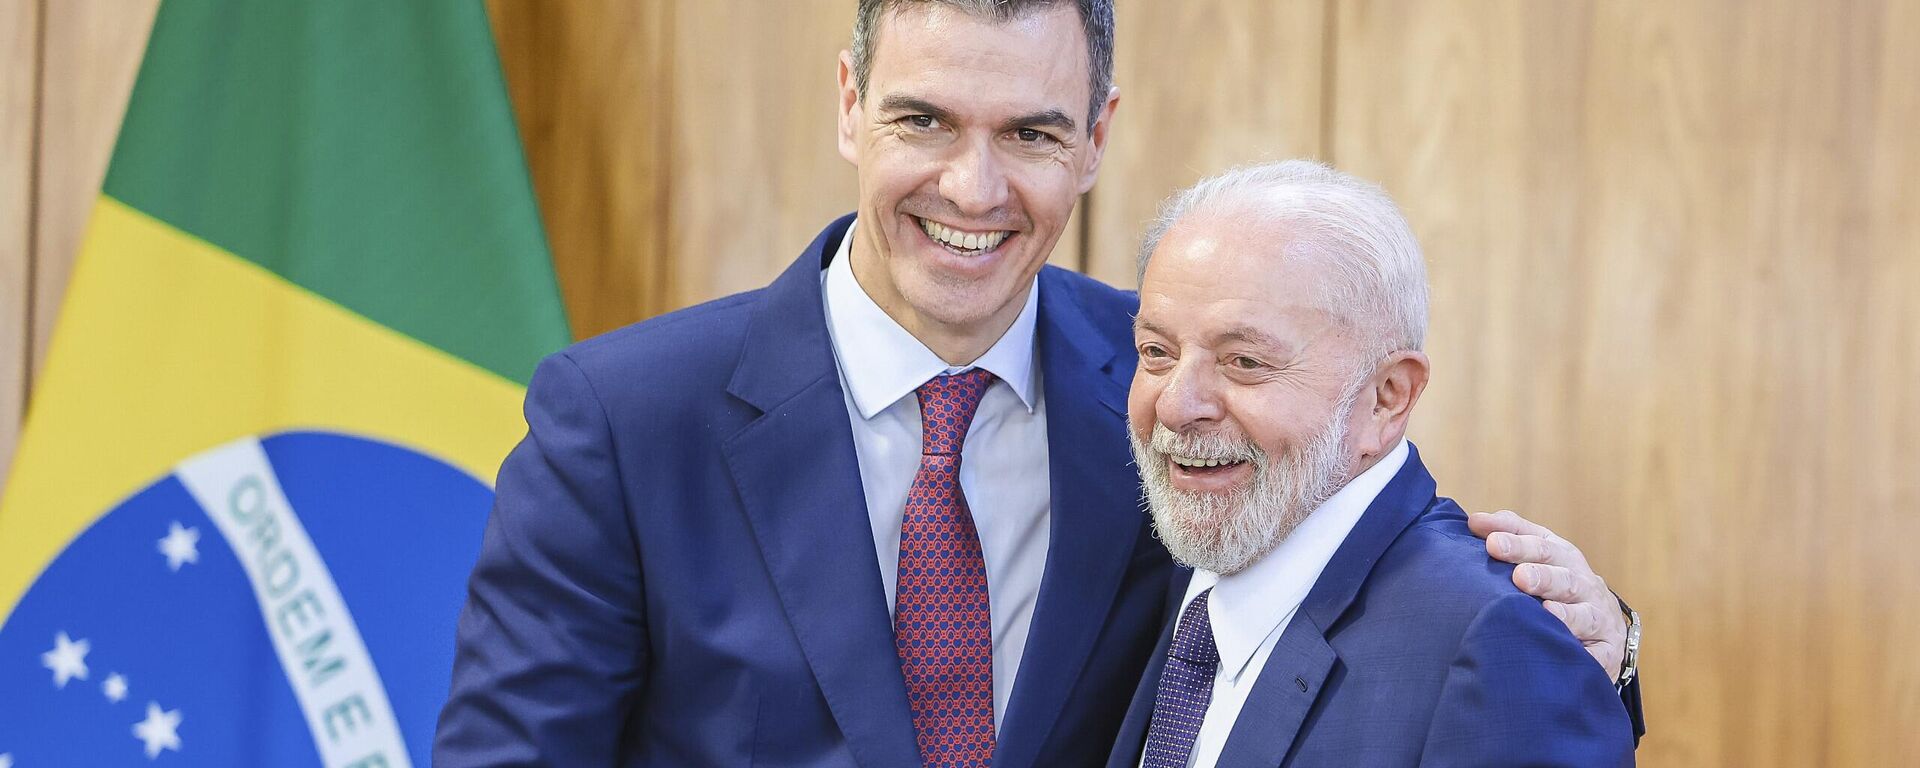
<point x="1220" y="446"/>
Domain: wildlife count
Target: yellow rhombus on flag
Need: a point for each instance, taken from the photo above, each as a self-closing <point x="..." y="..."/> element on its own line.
<point x="258" y="463"/>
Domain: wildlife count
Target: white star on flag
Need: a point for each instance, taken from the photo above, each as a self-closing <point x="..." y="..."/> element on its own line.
<point x="68" y="659"/>
<point x="6" y="760"/>
<point x="159" y="731"/>
<point x="115" y="688"/>
<point x="181" y="545"/>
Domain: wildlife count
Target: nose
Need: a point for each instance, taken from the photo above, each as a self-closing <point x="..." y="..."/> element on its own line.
<point x="1191" y="397"/>
<point x="973" y="180"/>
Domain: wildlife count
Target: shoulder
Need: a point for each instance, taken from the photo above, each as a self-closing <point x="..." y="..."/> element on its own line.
<point x="1092" y="295"/>
<point x="1439" y="547"/>
<point x="1108" y="309"/>
<point x="667" y="360"/>
<point x="1436" y="577"/>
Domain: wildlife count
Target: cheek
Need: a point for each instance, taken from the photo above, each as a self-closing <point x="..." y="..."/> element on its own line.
<point x="1141" y="398"/>
<point x="1276" y="425"/>
<point x="893" y="172"/>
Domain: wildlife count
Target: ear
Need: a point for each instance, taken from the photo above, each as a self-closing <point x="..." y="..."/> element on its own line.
<point x="1394" y="388"/>
<point x="850" y="113"/>
<point x="1097" y="148"/>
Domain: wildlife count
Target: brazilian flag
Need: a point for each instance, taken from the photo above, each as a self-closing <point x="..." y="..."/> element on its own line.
<point x="258" y="462"/>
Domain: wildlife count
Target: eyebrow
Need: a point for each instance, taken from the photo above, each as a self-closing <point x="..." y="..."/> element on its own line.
<point x="895" y="103"/>
<point x="1254" y="336"/>
<point x="1241" y="333"/>
<point x="1051" y="118"/>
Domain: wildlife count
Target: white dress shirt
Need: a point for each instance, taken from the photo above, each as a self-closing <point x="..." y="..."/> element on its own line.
<point x="1249" y="610"/>
<point x="1003" y="462"/>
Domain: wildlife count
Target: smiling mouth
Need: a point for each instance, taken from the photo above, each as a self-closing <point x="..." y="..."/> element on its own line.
<point x="1204" y="467"/>
<point x="961" y="241"/>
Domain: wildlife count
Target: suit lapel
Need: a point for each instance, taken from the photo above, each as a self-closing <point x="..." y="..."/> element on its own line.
<point x="1095" y="516"/>
<point x="1271" y="717"/>
<point x="1132" y="741"/>
<point x="799" y="480"/>
<point x="1297" y="669"/>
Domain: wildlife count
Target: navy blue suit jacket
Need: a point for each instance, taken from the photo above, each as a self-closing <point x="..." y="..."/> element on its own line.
<point x="679" y="570"/>
<point x="1414" y="649"/>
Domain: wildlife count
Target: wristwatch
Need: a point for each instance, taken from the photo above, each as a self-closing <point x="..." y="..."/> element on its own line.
<point x="1630" y="661"/>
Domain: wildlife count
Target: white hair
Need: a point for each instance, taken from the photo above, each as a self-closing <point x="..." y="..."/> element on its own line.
<point x="1378" y="278"/>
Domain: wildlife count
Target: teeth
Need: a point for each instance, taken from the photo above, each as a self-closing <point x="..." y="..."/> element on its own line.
<point x="966" y="241"/>
<point x="1191" y="462"/>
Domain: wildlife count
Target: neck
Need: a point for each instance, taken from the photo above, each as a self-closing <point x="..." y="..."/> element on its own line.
<point x="955" y="343"/>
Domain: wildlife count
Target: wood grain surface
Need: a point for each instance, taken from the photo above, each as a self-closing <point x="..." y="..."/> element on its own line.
<point x="1204" y="85"/>
<point x="1673" y="257"/>
<point x="90" y="54"/>
<point x="19" y="78"/>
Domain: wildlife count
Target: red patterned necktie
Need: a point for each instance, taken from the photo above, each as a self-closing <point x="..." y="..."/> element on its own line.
<point x="942" y="624"/>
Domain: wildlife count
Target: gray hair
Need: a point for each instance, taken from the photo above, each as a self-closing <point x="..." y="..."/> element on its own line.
<point x="1377" y="273"/>
<point x="1096" y="19"/>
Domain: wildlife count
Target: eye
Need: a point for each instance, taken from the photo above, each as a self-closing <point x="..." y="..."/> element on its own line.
<point x="1034" y="136"/>
<point x="921" y="122"/>
<point x="1245" y="363"/>
<point x="1153" y="351"/>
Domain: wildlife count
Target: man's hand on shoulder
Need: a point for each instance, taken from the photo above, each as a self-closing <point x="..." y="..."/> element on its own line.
<point x="1553" y="569"/>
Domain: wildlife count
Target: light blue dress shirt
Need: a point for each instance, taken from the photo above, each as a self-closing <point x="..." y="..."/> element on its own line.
<point x="1003" y="464"/>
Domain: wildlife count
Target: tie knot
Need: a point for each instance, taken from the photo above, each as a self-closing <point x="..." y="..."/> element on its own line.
<point x="1193" y="639"/>
<point x="947" y="403"/>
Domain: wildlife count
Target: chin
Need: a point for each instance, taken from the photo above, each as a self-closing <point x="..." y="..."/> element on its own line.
<point x="956" y="303"/>
<point x="1222" y="533"/>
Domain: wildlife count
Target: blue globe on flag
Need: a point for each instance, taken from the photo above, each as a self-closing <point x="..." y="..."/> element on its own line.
<point x="286" y="601"/>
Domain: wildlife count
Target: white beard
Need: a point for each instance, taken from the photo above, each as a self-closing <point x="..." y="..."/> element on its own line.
<point x="1225" y="533"/>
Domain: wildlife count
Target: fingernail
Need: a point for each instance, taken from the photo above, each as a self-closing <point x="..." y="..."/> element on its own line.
<point x="1503" y="544"/>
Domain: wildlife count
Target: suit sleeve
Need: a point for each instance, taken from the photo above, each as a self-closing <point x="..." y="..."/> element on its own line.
<point x="550" y="654"/>
<point x="1522" y="692"/>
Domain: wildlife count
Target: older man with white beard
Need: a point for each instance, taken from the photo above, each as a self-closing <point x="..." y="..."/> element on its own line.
<point x="1339" y="611"/>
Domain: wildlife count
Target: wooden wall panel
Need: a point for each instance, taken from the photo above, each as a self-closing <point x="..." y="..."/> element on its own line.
<point x="590" y="86"/>
<point x="1673" y="261"/>
<point x="755" y="171"/>
<point x="92" y="53"/>
<point x="19" y="75"/>
<point x="1204" y="85"/>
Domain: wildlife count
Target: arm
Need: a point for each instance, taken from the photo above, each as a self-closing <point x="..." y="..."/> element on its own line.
<point x="550" y="653"/>
<point x="1521" y="691"/>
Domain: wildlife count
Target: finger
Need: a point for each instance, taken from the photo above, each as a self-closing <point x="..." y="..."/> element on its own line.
<point x="1520" y="549"/>
<point x="1580" y="619"/>
<point x="1483" y="523"/>
<point x="1580" y="594"/>
<point x="1589" y="627"/>
<point x="1549" y="582"/>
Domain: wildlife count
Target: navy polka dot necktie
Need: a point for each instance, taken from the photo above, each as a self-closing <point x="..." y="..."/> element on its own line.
<point x="943" y="627"/>
<point x="1186" y="688"/>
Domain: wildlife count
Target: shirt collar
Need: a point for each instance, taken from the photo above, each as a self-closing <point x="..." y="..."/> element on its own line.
<point x="1246" y="607"/>
<point x="892" y="363"/>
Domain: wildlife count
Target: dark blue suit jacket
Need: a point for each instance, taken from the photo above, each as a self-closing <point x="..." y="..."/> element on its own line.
<point x="1414" y="648"/>
<point x="679" y="570"/>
